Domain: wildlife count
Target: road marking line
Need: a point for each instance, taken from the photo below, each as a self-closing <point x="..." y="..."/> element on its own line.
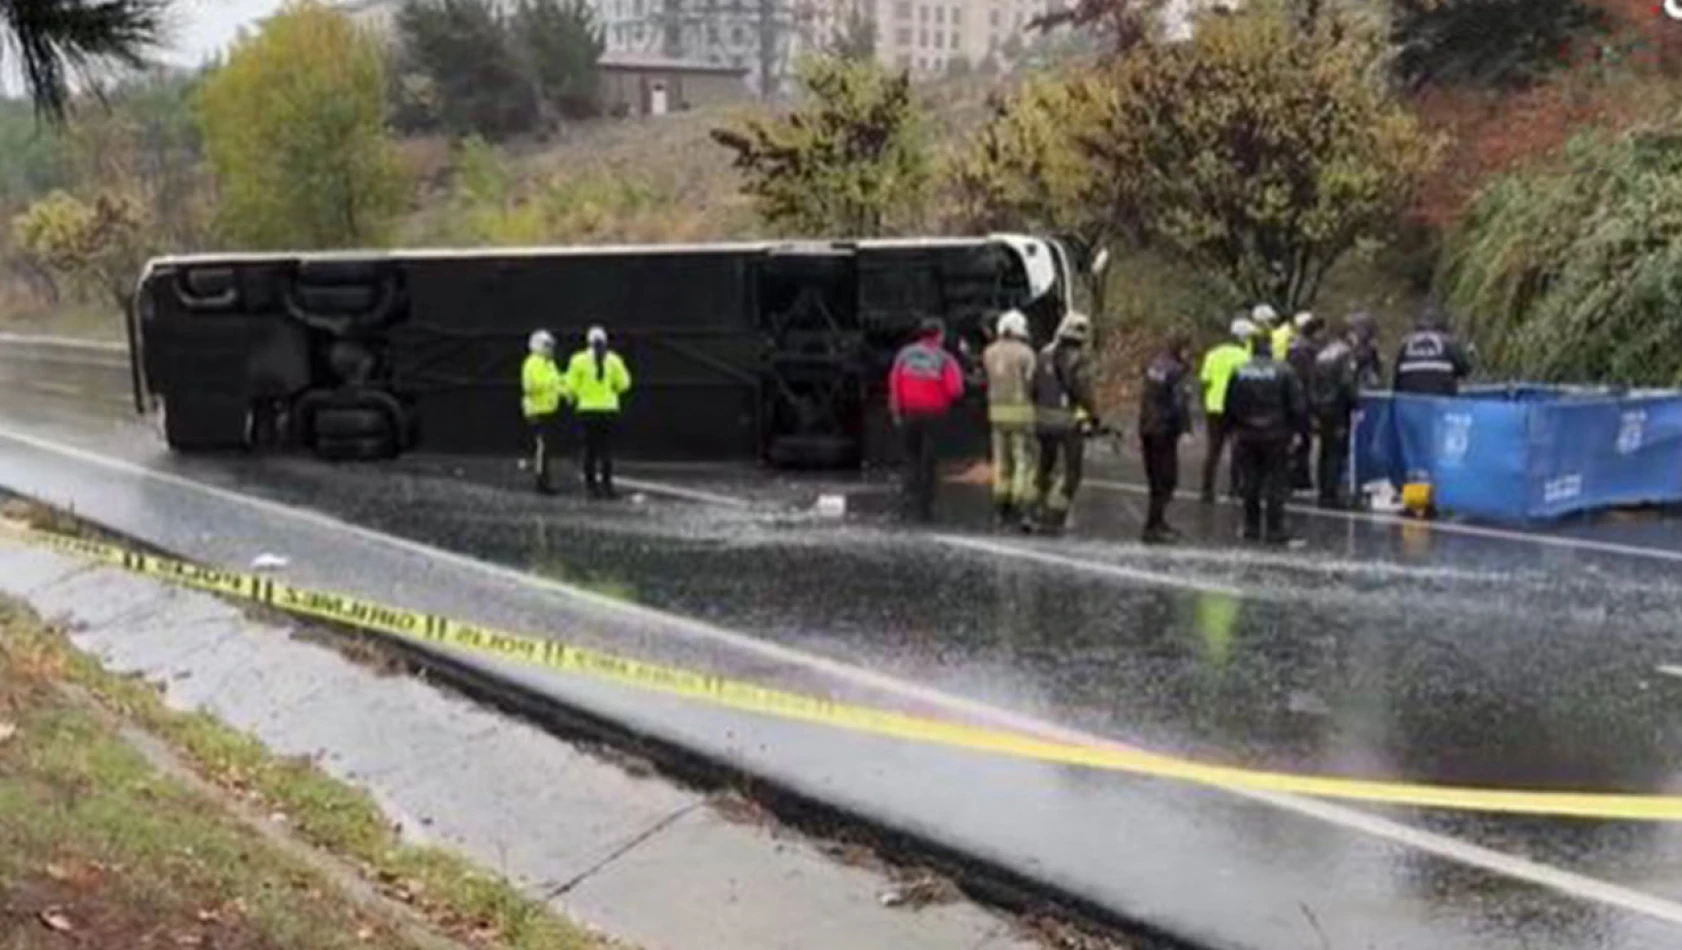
<point x="688" y="494"/>
<point x="64" y="342"/>
<point x="1669" y="670"/>
<point x="1503" y="534"/>
<point x="1443" y="846"/>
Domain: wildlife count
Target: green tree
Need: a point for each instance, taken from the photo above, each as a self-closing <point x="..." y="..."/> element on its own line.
<point x="475" y="80"/>
<point x="1572" y="271"/>
<point x="561" y="44"/>
<point x="1120" y="24"/>
<point x="851" y="161"/>
<point x="293" y="126"/>
<point x="54" y="41"/>
<point x="1026" y="170"/>
<point x="1504" y="43"/>
<point x="1260" y="151"/>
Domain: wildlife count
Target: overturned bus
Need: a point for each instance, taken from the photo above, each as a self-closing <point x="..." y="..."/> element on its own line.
<point x="774" y="351"/>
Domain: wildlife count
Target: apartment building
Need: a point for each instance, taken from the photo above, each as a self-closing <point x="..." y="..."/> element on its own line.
<point x="926" y="36"/>
<point x="755" y="36"/>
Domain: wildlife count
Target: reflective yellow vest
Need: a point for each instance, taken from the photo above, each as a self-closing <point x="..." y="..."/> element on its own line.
<point x="597" y="392"/>
<point x="1218" y="367"/>
<point x="541" y="386"/>
<point x="1283" y="334"/>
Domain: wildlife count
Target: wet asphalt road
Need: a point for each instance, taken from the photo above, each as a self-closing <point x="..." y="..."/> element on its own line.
<point x="1372" y="652"/>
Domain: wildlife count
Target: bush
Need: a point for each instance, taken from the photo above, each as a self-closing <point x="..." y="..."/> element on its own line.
<point x="1573" y="271"/>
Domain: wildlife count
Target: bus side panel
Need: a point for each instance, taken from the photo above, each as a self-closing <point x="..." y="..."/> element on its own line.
<point x="966" y="285"/>
<point x="209" y="363"/>
<point x="680" y="320"/>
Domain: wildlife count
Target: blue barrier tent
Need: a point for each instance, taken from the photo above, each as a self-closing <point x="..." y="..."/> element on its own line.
<point x="1525" y="452"/>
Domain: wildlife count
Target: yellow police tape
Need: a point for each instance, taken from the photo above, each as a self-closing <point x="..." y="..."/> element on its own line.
<point x="431" y="629"/>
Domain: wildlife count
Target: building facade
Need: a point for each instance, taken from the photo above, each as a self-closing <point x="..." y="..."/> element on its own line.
<point x="931" y="37"/>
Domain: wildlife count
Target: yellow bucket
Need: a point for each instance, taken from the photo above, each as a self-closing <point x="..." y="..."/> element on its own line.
<point x="1416" y="497"/>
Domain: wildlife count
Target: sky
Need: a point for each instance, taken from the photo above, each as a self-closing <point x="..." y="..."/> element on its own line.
<point x="199" y="28"/>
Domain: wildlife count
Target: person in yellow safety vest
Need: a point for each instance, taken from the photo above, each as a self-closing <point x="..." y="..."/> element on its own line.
<point x="1265" y="318"/>
<point x="1009" y="361"/>
<point x="597" y="378"/>
<point x="1286" y="332"/>
<point x="1218" y="367"/>
<point x="542" y="390"/>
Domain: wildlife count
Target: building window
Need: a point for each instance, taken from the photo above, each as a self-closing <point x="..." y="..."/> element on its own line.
<point x="957" y="15"/>
<point x="902" y="9"/>
<point x="923" y="38"/>
<point x="954" y="43"/>
<point x="674" y="36"/>
<point x="993" y="16"/>
<point x="737" y="36"/>
<point x="903" y="37"/>
<point x="905" y="61"/>
<point x="939" y="39"/>
<point x="636" y="33"/>
<point x="922" y="14"/>
<point x="940" y="14"/>
<point x="636" y="7"/>
<point x="712" y="32"/>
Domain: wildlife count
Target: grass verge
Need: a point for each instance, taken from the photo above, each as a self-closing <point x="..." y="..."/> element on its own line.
<point x="94" y="838"/>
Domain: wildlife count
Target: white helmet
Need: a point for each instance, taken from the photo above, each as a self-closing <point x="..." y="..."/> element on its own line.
<point x="596" y="335"/>
<point x="1303" y="319"/>
<point x="1076" y="326"/>
<point x="1014" y="323"/>
<point x="1264" y="315"/>
<point x="1242" y="329"/>
<point x="542" y="341"/>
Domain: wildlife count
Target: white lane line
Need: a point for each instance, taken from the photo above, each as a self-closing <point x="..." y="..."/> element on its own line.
<point x="63" y="342"/>
<point x="1670" y="670"/>
<point x="653" y="487"/>
<point x="1502" y="534"/>
<point x="1140" y="575"/>
<point x="1565" y="882"/>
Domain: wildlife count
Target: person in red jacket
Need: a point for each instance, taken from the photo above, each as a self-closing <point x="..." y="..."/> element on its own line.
<point x="922" y="387"/>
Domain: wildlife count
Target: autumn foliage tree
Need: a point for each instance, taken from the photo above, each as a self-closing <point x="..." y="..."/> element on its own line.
<point x="850" y="161"/>
<point x="1262" y="151"/>
<point x="1026" y="170"/>
<point x="294" y="127"/>
<point x="98" y="246"/>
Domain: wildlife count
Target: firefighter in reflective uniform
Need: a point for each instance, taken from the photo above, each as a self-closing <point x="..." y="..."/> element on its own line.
<point x="923" y="385"/>
<point x="1064" y="413"/>
<point x="596" y="379"/>
<point x="542" y="391"/>
<point x="1266" y="320"/>
<point x="1266" y="406"/>
<point x="1164" y="417"/>
<point x="1431" y="362"/>
<point x="1009" y="362"/>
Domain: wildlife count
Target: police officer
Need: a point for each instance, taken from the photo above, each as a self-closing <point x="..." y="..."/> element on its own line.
<point x="923" y="385"/>
<point x="1164" y="416"/>
<point x="1431" y="362"/>
<point x="542" y="390"/>
<point x="1333" y="395"/>
<point x="1369" y="365"/>
<point x="1266" y="406"/>
<point x="1064" y="413"/>
<point x="1009" y="362"/>
<point x="1303" y="348"/>
<point x="597" y="378"/>
<point x="1218" y="366"/>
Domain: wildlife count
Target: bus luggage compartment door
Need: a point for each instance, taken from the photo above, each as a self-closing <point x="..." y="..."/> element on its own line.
<point x="807" y="306"/>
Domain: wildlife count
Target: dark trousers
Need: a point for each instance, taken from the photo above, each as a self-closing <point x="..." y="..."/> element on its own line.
<point x="1062" y="461"/>
<point x="1263" y="464"/>
<point x="598" y="450"/>
<point x="1162" y="470"/>
<point x="1218" y="432"/>
<point x="1334" y="457"/>
<point x="1302" y="462"/>
<point x="919" y="469"/>
<point x="544" y="433"/>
